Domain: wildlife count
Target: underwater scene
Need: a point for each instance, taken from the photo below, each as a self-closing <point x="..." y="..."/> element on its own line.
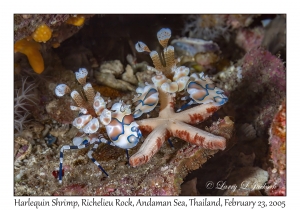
<point x="149" y="104"/>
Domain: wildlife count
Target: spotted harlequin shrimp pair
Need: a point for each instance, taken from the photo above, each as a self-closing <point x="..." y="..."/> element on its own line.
<point x="120" y="126"/>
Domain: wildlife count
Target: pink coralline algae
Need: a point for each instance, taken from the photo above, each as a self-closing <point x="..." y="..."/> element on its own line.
<point x="270" y="68"/>
<point x="263" y="84"/>
<point x="277" y="142"/>
<point x="74" y="189"/>
<point x="250" y="38"/>
<point x="265" y="77"/>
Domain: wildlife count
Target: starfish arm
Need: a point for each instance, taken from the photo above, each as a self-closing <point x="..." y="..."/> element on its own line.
<point x="196" y="114"/>
<point x="166" y="103"/>
<point x="151" y="145"/>
<point x="147" y="125"/>
<point x="197" y="136"/>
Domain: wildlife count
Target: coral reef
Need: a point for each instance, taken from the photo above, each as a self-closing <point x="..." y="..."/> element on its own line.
<point x="22" y="148"/>
<point x="108" y="73"/>
<point x="278" y="153"/>
<point x="265" y="75"/>
<point x="262" y="78"/>
<point x="239" y="21"/>
<point x="129" y="76"/>
<point x="143" y="75"/>
<point x="199" y="54"/>
<point x="58" y="109"/>
<point x="163" y="176"/>
<point x="251" y="77"/>
<point x="25" y="25"/>
<point x="249" y="180"/>
<point x="250" y="38"/>
<point x="168" y="124"/>
<point x="188" y="157"/>
<point x="189" y="188"/>
<point x="234" y="72"/>
<point x="51" y="28"/>
<point x="191" y="46"/>
<point x="207" y="27"/>
<point x="247" y="130"/>
<point x="223" y="127"/>
<point x="275" y="35"/>
<point x="211" y="27"/>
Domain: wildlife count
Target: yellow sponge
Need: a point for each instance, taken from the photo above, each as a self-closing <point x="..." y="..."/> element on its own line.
<point x="76" y="21"/>
<point x="31" y="49"/>
<point x="42" y="34"/>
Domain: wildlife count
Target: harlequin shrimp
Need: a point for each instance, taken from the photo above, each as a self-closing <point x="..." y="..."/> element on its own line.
<point x="120" y="126"/>
<point x="171" y="79"/>
<point x="168" y="81"/>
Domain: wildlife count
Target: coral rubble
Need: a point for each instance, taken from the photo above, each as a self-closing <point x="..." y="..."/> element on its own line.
<point x="108" y="73"/>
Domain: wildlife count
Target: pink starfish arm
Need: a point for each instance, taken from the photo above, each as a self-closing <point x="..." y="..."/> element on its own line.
<point x="192" y="116"/>
<point x="197" y="136"/>
<point x="150" y="146"/>
<point x="147" y="125"/>
<point x="196" y="114"/>
<point x="178" y="129"/>
<point x="169" y="123"/>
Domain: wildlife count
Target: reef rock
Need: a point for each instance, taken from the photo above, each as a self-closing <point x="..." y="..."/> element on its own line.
<point x="278" y="153"/>
<point x="246" y="180"/>
<point x="108" y="74"/>
<point x="261" y="77"/>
